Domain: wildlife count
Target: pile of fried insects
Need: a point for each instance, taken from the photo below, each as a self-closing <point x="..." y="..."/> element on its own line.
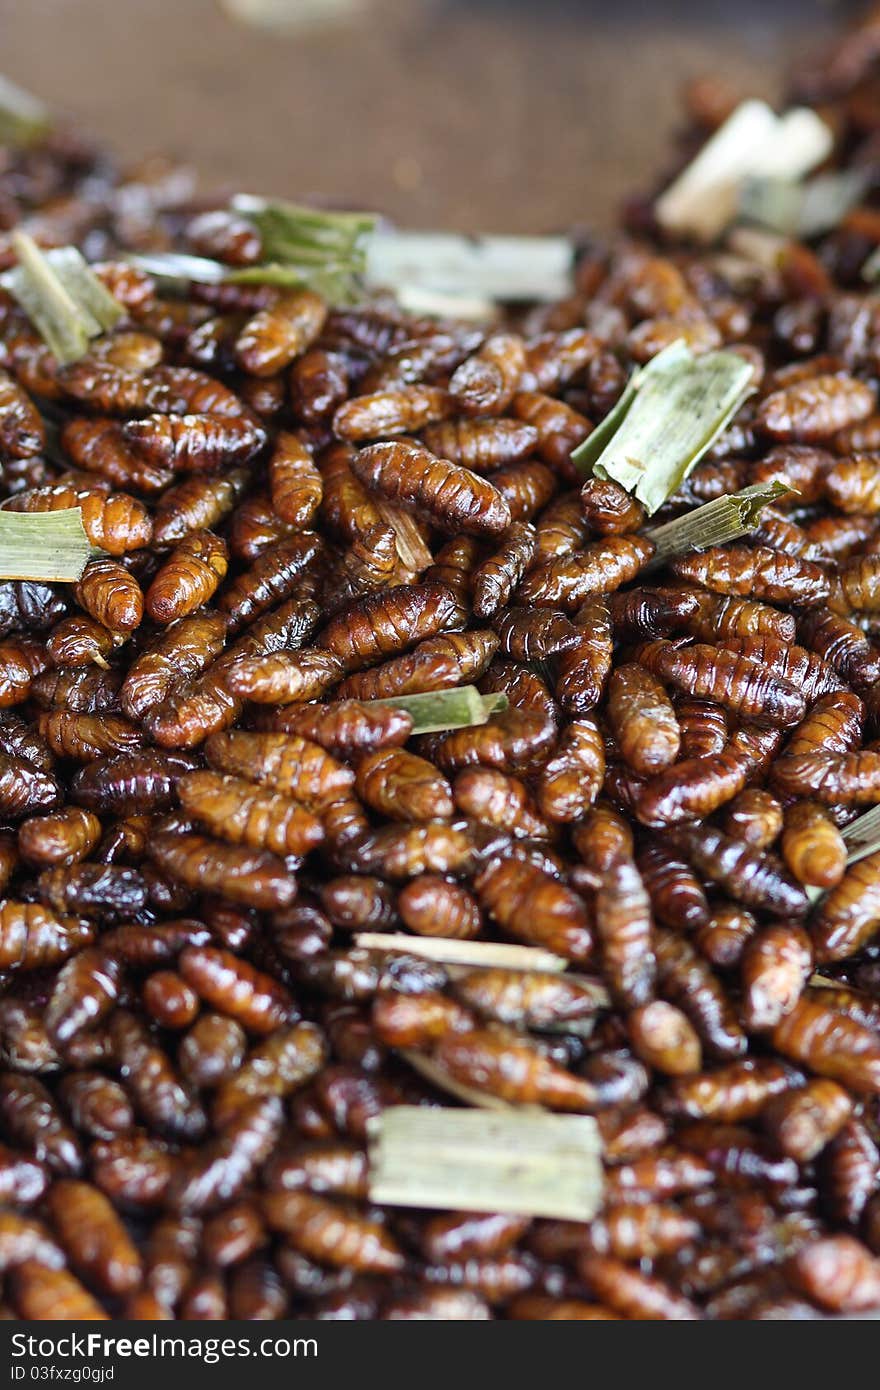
<point x="379" y="758"/>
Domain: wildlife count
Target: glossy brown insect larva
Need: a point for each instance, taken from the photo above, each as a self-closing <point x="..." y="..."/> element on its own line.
<point x="271" y="340"/>
<point x="812" y="846"/>
<point x="849" y="915"/>
<point x="533" y="1000"/>
<point x="609" y="509"/>
<point x="570" y="781"/>
<point x="318" y="383"/>
<point x="295" y="483"/>
<point x="663" y="1038"/>
<point x="195" y="443"/>
<point x="687" y="981"/>
<point x="751" y="877"/>
<point x="598" y="568"/>
<point x="401" y="410"/>
<point x="282" y="1064"/>
<point x="343" y="727"/>
<point x="560" y="428"/>
<point x="454" y="498"/>
<point x="40" y="1292"/>
<point x="386" y="623"/>
<point x="75" y="642"/>
<point x="234" y="988"/>
<point x="484" y="384"/>
<point x="286" y="762"/>
<point x="31" y="936"/>
<point x="513" y="1071"/>
<point x="253" y="877"/>
<point x="516" y="736"/>
<point x="622" y="911"/>
<point x="189" y="578"/>
<point x="849" y="1173"/>
<point x="88" y="690"/>
<point x="111" y="596"/>
<point x="211" y="1051"/>
<point x="830" y="1044"/>
<point x="22" y="432"/>
<point x="801" y="1122"/>
<point x="526" y="487"/>
<point x="95" y="1240"/>
<point x="284" y="677"/>
<point x="274" y="576"/>
<point x="99" y="447"/>
<point x="30" y="607"/>
<point x="210" y="1177"/>
<point x="495" y="579"/>
<point x="237" y="811"/>
<point x="181" y="653"/>
<point x="150" y="1079"/>
<point x="642" y="718"/>
<point x="132" y="1170"/>
<point x="223" y="236"/>
<point x="561" y="529"/>
<point x="85" y="737"/>
<point x="837" y="1273"/>
<point x="433" y="906"/>
<point x="481" y="445"/>
<point x="755" y="570"/>
<point x="418" y="1021"/>
<point x="531" y="906"/>
<point x="405" y="850"/>
<point x="677" y="897"/>
<point x="832" y="778"/>
<point x="24" y="788"/>
<point x="33" y="1122"/>
<point x="776" y="965"/>
<point x="97" y="1105"/>
<point x="816" y="408"/>
<point x="493" y="798"/>
<point x="731" y="680"/>
<point x="332" y="1233"/>
<point x="634" y="1295"/>
<point x="115" y="523"/>
<point x="129" y="783"/>
<point x="402" y="786"/>
<point x="84" y="992"/>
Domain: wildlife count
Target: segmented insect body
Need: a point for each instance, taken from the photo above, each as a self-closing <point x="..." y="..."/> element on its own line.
<point x="271" y="340"/>
<point x="189" y="578"/>
<point x="484" y="384"/>
<point x="438" y="663"/>
<point x="815" y="408"/>
<point x="454" y="498"/>
<point x="533" y="907"/>
<point x="598" y="568"/>
<point x="198" y="503"/>
<point x="755" y="570"/>
<point x="388" y="622"/>
<point x="849" y="915"/>
<point x="237" y="811"/>
<point x="730" y="680"/>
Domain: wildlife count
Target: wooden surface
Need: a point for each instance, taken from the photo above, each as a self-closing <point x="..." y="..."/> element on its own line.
<point x="474" y="114"/>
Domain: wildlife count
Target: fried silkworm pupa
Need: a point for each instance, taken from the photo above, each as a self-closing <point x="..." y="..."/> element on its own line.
<point x="333" y="1167"/>
<point x="480" y="445"/>
<point x="609" y="509"/>
<point x="561" y="529"/>
<point x="169" y="1000"/>
<point x="632" y="1294"/>
<point x="84" y="992"/>
<point x="598" y="568"/>
<point x="285" y="1062"/>
<point x="642" y="718"/>
<point x="317" y="384"/>
<point x="434" y="906"/>
<point x="532" y="1000"/>
<point x="560" y="428"/>
<point x="534" y="634"/>
<point x="31" y="936"/>
<point x="439" y="663"/>
<point x="22" y="432"/>
<point x="29" y="606"/>
<point x="189" y="578"/>
<point x="402" y="786"/>
<point x="663" y="1038"/>
<point x="276" y="335"/>
<point x="753" y="816"/>
<point x="830" y="1044"/>
<point x="99" y="447"/>
<point x="233" y="1235"/>
<point x="750" y="876"/>
<point x="754" y="571"/>
<point x="703" y="727"/>
<point x="812" y="846"/>
<point x="724" y="937"/>
<point x="849" y="1173"/>
<point x="687" y="981"/>
<point x="24" y="789"/>
<point x="86" y="737"/>
<point x="513" y="1071"/>
<point x="331" y="1233"/>
<point x="197" y="443"/>
<point x="183" y="651"/>
<point x="407" y="849"/>
<point x="849" y="914"/>
<point x="730" y="1094"/>
<point x="211" y="1051"/>
<point x="238" y="811"/>
<point x="776" y="965"/>
<point x="833" y="725"/>
<point x="210" y="1177"/>
<point x="812" y="676"/>
<point x="75" y="642"/>
<point x="832" y="778"/>
<point x="693" y="788"/>
<point x="222" y="236"/>
<point x="94" y="1238"/>
<point x="815" y="408"/>
<point x="286" y="762"/>
<point x="149" y="1077"/>
<point x="801" y="1122"/>
<point x="97" y="1105"/>
<point x="493" y="798"/>
<point x="514" y="738"/>
<point x="837" y="1273"/>
<point x="133" y="1170"/>
<point x="130" y="783"/>
<point x="235" y="988"/>
<point x="730" y="680"/>
<point x="21" y="660"/>
<point x="451" y="496"/>
<point x="40" y="1292"/>
<point x="253" y="877"/>
<point x="399" y="410"/>
<point x="386" y="623"/>
<point x="526" y="487"/>
<point x="275" y="575"/>
<point x="622" y="914"/>
<point x="198" y="503"/>
<point x="418" y="1020"/>
<point x="677" y="897"/>
<point x="457" y="1236"/>
<point x="284" y="677"/>
<point x="484" y="383"/>
<point x="343" y="727"/>
<point x="33" y="1120"/>
<point x="115" y="523"/>
<point x="531" y="906"/>
<point x="496" y="578"/>
<point x="111" y="596"/>
<point x="571" y="780"/>
<point x="85" y="689"/>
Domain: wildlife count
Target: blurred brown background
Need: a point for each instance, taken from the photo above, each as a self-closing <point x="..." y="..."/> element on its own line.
<point x="476" y="114"/>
